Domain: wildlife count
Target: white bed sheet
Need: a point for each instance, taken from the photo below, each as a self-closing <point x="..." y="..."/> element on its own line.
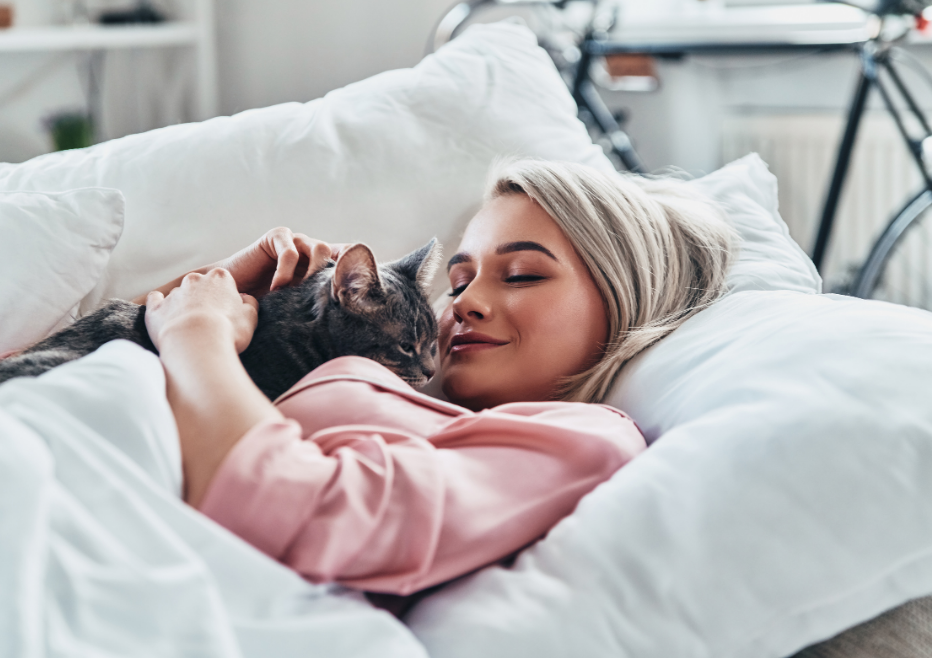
<point x="99" y="557"/>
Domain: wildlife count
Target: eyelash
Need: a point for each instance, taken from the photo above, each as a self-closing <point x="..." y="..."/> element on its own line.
<point x="518" y="278"/>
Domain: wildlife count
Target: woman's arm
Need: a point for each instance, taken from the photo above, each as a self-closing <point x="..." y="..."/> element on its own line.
<point x="279" y="258"/>
<point x="199" y="329"/>
<point x="383" y="506"/>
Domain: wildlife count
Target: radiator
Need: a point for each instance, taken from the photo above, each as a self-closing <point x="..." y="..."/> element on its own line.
<point x="800" y="149"/>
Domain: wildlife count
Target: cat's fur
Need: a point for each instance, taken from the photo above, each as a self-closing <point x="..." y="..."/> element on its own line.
<point x="351" y="307"/>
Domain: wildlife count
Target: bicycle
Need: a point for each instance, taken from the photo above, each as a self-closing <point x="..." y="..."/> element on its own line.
<point x="573" y="60"/>
<point x="885" y="273"/>
<point x="888" y="272"/>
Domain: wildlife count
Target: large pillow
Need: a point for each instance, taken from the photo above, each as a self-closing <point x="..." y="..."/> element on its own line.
<point x="768" y="258"/>
<point x="390" y="161"/>
<point x="99" y="556"/>
<point x="53" y="250"/>
<point x="786" y="496"/>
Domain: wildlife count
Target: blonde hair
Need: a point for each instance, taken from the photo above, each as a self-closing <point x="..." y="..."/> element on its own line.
<point x="657" y="251"/>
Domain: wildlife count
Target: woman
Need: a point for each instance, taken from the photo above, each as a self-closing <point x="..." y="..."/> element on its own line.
<point x="560" y="279"/>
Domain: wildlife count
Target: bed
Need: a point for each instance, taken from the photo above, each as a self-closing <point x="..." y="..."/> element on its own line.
<point x="785" y="496"/>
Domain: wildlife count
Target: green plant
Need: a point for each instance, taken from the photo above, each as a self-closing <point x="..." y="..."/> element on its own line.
<point x="70" y="130"/>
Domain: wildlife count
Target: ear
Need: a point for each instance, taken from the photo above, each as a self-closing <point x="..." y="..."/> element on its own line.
<point x="420" y="265"/>
<point x="355" y="277"/>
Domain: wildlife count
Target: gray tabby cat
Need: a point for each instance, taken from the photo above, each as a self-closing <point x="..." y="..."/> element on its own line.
<point x="351" y="307"/>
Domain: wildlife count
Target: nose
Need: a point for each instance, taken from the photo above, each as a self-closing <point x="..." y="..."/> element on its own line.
<point x="428" y="370"/>
<point x="471" y="303"/>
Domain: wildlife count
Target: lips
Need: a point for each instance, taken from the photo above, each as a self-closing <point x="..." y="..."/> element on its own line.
<point x="472" y="341"/>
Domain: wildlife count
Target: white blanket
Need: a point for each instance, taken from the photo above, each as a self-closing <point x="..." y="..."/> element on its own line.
<point x="99" y="557"/>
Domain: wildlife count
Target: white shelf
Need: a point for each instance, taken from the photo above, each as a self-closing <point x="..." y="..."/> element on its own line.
<point x="195" y="34"/>
<point x="97" y="37"/>
<point x="794" y="24"/>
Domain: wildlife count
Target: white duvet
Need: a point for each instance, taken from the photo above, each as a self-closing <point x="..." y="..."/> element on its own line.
<point x="99" y="557"/>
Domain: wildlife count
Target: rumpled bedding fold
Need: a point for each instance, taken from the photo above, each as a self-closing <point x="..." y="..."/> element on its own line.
<point x="99" y="556"/>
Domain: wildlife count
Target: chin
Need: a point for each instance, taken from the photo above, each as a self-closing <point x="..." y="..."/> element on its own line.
<point x="459" y="390"/>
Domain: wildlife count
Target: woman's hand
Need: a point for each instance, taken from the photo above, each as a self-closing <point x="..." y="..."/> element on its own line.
<point x="279" y="258"/>
<point x="203" y="303"/>
<point x="199" y="330"/>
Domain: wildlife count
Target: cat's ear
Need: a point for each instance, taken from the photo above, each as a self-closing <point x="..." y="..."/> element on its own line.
<point x="421" y="265"/>
<point x="356" y="280"/>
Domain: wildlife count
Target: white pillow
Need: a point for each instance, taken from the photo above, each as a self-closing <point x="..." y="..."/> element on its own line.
<point x="768" y="258"/>
<point x="787" y="497"/>
<point x="53" y="250"/>
<point x="391" y="161"/>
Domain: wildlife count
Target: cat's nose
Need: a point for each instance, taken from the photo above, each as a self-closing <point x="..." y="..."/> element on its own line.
<point x="428" y="370"/>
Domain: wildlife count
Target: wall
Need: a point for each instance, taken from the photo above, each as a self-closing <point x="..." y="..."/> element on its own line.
<point x="269" y="52"/>
<point x="283" y="50"/>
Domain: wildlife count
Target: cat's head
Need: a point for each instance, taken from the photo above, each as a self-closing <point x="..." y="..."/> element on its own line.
<point x="382" y="312"/>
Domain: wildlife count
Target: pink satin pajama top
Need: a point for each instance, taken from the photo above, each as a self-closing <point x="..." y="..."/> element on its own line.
<point x="381" y="488"/>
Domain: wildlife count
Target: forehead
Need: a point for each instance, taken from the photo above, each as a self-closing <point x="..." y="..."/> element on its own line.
<point x="513" y="218"/>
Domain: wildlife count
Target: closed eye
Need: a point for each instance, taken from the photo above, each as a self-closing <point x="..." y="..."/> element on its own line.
<point x="524" y="278"/>
<point x="516" y="279"/>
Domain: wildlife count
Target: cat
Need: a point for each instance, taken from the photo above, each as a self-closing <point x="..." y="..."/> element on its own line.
<point x="351" y="307"/>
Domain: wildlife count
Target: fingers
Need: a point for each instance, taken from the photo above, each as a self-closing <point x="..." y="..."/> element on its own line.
<point x="190" y="278"/>
<point x="292" y="248"/>
<point x="320" y="255"/>
<point x="316" y="252"/>
<point x="249" y="300"/>
<point x="296" y="256"/>
<point x="205" y="299"/>
<point x="275" y="241"/>
<point x="286" y="255"/>
<point x="304" y="245"/>
<point x="216" y="276"/>
<point x="154" y="299"/>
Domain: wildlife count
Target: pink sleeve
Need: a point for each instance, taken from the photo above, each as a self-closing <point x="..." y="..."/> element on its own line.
<point x="387" y="511"/>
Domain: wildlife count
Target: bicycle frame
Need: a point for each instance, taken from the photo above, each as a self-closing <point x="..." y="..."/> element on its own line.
<point x="875" y="57"/>
<point x="582" y="87"/>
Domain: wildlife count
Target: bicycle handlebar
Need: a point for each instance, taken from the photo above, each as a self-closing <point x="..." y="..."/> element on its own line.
<point x="888" y="7"/>
<point x="452" y="22"/>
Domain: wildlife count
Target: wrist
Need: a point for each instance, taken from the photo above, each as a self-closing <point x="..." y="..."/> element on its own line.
<point x="198" y="330"/>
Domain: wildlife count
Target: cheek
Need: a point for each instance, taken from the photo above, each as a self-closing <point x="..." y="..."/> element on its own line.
<point x="563" y="334"/>
<point x="445" y="328"/>
<point x="572" y="318"/>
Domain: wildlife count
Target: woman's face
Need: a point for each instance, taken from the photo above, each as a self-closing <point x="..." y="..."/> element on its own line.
<point x="525" y="311"/>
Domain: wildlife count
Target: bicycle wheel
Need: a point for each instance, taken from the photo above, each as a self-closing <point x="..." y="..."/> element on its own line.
<point x="899" y="267"/>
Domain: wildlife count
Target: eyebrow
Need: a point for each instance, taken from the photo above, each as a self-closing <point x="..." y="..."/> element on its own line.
<point x="507" y="248"/>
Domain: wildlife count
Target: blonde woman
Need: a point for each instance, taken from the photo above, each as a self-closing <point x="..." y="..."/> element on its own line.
<point x="563" y="276"/>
